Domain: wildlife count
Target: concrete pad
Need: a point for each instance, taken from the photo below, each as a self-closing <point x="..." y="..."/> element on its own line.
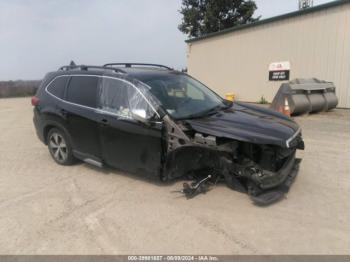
<point x="50" y="209"/>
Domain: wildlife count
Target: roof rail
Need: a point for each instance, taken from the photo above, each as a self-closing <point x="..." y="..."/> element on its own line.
<point x="87" y="67"/>
<point x="137" y="64"/>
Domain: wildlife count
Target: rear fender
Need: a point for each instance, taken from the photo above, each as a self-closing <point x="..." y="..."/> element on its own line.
<point x="53" y="121"/>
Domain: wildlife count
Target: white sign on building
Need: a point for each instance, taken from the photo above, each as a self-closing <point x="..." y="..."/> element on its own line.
<point x="279" y="71"/>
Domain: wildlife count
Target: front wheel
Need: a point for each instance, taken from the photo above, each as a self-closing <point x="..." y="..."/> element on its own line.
<point x="59" y="147"/>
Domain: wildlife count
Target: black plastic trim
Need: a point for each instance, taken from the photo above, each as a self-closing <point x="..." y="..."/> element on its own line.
<point x="128" y="65"/>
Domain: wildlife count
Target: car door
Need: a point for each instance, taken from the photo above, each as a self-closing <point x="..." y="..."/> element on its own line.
<point x="82" y="117"/>
<point x="128" y="143"/>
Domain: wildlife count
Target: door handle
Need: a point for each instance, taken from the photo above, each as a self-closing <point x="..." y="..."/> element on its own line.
<point x="64" y="112"/>
<point x="104" y="122"/>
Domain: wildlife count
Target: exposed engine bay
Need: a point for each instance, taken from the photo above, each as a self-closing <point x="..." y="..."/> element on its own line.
<point x="265" y="172"/>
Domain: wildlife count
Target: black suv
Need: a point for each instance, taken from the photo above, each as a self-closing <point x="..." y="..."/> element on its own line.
<point x="152" y="120"/>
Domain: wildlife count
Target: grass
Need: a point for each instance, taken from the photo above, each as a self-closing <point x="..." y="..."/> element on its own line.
<point x="262" y="101"/>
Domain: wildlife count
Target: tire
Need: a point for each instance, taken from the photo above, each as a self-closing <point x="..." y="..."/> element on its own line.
<point x="60" y="147"/>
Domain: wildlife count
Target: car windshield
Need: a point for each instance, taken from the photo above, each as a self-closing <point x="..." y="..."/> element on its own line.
<point x="184" y="97"/>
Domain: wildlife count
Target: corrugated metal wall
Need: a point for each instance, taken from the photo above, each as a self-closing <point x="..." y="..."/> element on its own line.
<point x="316" y="44"/>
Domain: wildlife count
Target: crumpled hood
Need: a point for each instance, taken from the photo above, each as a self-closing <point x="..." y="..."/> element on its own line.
<point x="249" y="123"/>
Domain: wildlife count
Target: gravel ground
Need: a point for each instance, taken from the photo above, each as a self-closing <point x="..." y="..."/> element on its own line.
<point x="49" y="209"/>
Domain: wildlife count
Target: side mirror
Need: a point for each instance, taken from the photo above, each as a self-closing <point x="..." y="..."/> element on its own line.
<point x="140" y="115"/>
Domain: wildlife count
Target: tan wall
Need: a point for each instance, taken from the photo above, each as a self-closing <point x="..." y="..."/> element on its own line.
<point x="316" y="44"/>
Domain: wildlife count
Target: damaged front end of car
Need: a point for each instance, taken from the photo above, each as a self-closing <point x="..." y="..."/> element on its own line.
<point x="264" y="167"/>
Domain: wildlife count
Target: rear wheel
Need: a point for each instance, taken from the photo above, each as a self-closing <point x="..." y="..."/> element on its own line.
<point x="59" y="147"/>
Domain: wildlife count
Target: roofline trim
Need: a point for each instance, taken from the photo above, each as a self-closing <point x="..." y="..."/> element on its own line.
<point x="271" y="19"/>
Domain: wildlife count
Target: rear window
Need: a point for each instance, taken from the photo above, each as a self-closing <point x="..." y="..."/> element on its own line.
<point x="58" y="86"/>
<point x="82" y="90"/>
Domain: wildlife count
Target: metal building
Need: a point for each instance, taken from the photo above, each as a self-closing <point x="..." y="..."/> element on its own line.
<point x="313" y="42"/>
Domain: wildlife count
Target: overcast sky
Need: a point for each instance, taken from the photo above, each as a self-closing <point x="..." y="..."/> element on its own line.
<point x="37" y="36"/>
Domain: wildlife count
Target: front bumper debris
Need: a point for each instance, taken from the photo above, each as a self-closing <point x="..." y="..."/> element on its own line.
<point x="272" y="195"/>
<point x="268" y="179"/>
<point x="196" y="188"/>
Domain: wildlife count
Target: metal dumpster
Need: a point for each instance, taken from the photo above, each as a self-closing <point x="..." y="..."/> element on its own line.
<point x="306" y="96"/>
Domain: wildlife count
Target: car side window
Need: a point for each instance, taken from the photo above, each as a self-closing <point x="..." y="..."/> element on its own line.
<point x="122" y="99"/>
<point x="114" y="98"/>
<point x="139" y="106"/>
<point x="82" y="90"/>
<point x="58" y="86"/>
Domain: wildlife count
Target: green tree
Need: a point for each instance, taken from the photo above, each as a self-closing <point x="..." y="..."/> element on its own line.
<point x="201" y="17"/>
